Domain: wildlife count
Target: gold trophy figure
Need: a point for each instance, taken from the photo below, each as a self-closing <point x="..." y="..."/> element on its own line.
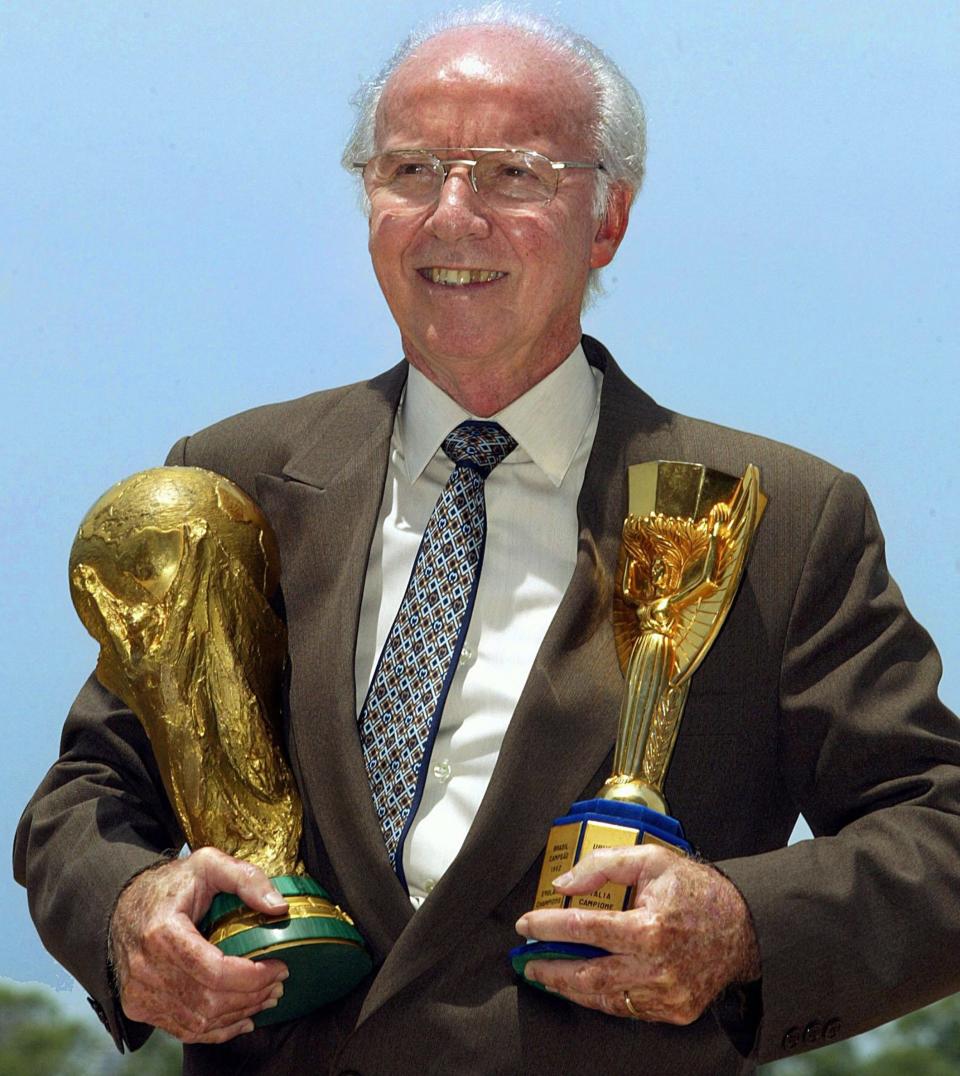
<point x="678" y="578"/>
<point x="683" y="551"/>
<point x="171" y="572"/>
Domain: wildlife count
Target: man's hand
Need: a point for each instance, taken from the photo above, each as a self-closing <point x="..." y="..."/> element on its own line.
<point x="168" y="975"/>
<point x="687" y="937"/>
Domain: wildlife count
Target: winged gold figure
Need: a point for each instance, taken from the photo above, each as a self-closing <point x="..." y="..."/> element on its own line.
<point x="676" y="580"/>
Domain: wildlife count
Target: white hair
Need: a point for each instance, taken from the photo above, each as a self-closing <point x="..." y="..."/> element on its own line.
<point x="620" y="129"/>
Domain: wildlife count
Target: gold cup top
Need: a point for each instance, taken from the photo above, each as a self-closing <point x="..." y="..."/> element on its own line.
<point x="135" y="535"/>
<point x="681" y="489"/>
<point x="171" y="572"/>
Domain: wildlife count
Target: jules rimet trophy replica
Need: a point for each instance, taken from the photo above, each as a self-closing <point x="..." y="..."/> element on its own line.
<point x="171" y="572"/>
<point x="683" y="550"/>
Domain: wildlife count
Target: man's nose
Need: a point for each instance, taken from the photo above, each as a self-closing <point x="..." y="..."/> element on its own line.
<point x="460" y="212"/>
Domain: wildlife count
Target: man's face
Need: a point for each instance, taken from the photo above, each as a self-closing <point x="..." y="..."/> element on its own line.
<point x="490" y="88"/>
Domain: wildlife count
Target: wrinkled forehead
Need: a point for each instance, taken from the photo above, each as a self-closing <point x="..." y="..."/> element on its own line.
<point x="478" y="84"/>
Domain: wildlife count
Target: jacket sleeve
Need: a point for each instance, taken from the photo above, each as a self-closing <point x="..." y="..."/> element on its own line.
<point x="860" y="924"/>
<point x="99" y="818"/>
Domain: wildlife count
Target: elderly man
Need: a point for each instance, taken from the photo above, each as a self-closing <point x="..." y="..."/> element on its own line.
<point x="499" y="158"/>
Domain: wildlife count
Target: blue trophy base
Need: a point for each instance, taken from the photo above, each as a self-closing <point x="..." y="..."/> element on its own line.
<point x="593" y="824"/>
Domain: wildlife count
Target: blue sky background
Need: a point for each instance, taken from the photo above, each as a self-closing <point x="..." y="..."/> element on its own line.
<point x="177" y="242"/>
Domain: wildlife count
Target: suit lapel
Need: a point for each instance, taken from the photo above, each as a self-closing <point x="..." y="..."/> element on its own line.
<point x="565" y="721"/>
<point x="324" y="507"/>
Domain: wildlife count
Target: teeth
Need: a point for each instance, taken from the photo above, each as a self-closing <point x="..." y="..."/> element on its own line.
<point x="459" y="277"/>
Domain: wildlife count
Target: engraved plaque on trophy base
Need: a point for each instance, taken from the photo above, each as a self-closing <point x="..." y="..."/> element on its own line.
<point x="593" y="824"/>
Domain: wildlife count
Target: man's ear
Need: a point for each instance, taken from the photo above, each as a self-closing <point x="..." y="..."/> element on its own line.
<point x="612" y="226"/>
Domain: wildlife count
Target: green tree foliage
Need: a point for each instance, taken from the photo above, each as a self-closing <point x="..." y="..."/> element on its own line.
<point x="936" y="1028"/>
<point x="38" y="1039"/>
<point x="925" y="1043"/>
<point x="840" y="1059"/>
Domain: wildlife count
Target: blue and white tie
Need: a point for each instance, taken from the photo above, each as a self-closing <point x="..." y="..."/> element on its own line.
<point x="418" y="660"/>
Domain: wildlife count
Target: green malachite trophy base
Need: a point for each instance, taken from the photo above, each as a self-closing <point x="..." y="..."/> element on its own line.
<point x="316" y="940"/>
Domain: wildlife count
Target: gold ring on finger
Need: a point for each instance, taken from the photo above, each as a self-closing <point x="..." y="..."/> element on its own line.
<point x="629" y="1004"/>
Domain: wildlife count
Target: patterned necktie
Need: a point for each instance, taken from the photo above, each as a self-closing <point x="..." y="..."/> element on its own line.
<point x="409" y="687"/>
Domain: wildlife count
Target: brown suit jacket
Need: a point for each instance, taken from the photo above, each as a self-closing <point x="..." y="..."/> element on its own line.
<point x="819" y="696"/>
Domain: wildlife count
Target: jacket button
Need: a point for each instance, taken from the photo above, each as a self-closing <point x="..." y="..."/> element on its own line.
<point x="813" y="1033"/>
<point x="791" y="1038"/>
<point x="831" y="1030"/>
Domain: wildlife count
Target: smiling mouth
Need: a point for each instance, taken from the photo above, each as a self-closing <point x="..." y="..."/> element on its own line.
<point x="458" y="278"/>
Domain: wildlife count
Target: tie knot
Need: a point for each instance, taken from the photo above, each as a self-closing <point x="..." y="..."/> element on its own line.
<point x="481" y="445"/>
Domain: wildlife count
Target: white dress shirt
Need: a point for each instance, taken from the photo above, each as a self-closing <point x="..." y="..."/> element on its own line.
<point x="528" y="560"/>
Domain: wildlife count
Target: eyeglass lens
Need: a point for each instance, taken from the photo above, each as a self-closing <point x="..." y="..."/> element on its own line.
<point x="507" y="177"/>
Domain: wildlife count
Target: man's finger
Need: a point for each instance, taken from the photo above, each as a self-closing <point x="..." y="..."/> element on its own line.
<point x="613" y="1004"/>
<point x="602" y="984"/>
<point x="645" y="1006"/>
<point x="223" y="1034"/>
<point x="618" y="932"/>
<point x="188" y="951"/>
<point x="177" y="1001"/>
<point x="224" y="874"/>
<point x="246" y="1005"/>
<point x="604" y="975"/>
<point x="212" y="1036"/>
<point x="626" y="866"/>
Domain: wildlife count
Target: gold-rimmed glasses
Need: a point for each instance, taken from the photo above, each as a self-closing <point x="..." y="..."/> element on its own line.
<point x="503" y="178"/>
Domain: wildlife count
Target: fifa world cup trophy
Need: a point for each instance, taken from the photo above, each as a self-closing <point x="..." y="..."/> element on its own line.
<point x="171" y="572"/>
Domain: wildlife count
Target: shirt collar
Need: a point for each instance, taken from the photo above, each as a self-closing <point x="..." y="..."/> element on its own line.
<point x="547" y="422"/>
